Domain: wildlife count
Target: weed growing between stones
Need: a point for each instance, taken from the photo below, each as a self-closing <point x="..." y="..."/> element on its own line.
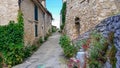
<point x="63" y="12"/>
<point x="112" y="51"/>
<point x="98" y="49"/>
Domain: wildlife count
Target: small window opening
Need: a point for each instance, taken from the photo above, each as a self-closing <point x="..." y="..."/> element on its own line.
<point x="77" y="20"/>
<point x="77" y="25"/>
<point x="36" y="12"/>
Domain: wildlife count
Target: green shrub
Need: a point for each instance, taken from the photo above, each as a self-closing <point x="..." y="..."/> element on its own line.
<point x="54" y="29"/>
<point x="29" y="50"/>
<point x="41" y="40"/>
<point x="46" y="37"/>
<point x="64" y="41"/>
<point x="12" y="33"/>
<point x="69" y="49"/>
<point x="62" y="26"/>
<point x="80" y="43"/>
<point x="95" y="64"/>
<point x="11" y="41"/>
<point x="14" y="54"/>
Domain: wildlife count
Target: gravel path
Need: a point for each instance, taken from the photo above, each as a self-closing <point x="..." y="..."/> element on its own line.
<point x="49" y="55"/>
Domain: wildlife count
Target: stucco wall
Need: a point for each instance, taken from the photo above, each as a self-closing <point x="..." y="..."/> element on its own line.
<point x="90" y="14"/>
<point x="8" y="11"/>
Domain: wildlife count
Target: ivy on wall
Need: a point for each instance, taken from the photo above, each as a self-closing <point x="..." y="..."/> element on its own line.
<point x="12" y="49"/>
<point x="11" y="41"/>
<point x="63" y="12"/>
<point x="11" y="33"/>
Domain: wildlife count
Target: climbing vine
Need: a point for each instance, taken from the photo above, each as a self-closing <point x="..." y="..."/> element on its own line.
<point x="63" y="12"/>
<point x="11" y="33"/>
<point x="11" y="41"/>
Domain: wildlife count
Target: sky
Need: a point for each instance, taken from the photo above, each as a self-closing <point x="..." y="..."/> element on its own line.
<point x="54" y="6"/>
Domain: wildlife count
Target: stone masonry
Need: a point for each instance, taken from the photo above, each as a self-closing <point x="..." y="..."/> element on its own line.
<point x="8" y="11"/>
<point x="88" y="14"/>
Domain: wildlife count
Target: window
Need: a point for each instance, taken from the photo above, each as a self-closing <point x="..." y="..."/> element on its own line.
<point x="36" y="30"/>
<point x="43" y="15"/>
<point x="36" y="13"/>
<point x="19" y="3"/>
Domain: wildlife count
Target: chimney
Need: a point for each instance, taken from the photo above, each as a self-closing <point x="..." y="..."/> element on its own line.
<point x="63" y="1"/>
<point x="43" y="2"/>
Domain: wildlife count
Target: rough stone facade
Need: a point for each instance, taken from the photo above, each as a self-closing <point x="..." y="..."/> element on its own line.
<point x="83" y="15"/>
<point x="33" y="29"/>
<point x="8" y="11"/>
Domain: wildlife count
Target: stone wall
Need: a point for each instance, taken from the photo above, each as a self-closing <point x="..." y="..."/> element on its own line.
<point x="111" y="24"/>
<point x="27" y="8"/>
<point x="105" y="27"/>
<point x="90" y="14"/>
<point x="8" y="11"/>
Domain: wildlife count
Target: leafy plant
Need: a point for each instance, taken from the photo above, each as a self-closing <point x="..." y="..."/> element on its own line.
<point x="64" y="41"/>
<point x="46" y="37"/>
<point x="98" y="48"/>
<point x="54" y="29"/>
<point x="112" y="51"/>
<point x="111" y="56"/>
<point x="41" y="40"/>
<point x="69" y="49"/>
<point x="29" y="50"/>
<point x="95" y="64"/>
<point x="11" y="42"/>
<point x="14" y="54"/>
<point x="111" y="37"/>
<point x="80" y="43"/>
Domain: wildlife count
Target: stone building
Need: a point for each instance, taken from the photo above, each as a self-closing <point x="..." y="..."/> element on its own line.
<point x="83" y="15"/>
<point x="37" y="19"/>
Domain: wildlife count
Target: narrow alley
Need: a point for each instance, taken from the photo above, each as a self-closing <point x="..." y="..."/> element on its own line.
<point x="49" y="55"/>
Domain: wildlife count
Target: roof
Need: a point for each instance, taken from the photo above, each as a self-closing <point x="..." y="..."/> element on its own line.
<point x="42" y="7"/>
